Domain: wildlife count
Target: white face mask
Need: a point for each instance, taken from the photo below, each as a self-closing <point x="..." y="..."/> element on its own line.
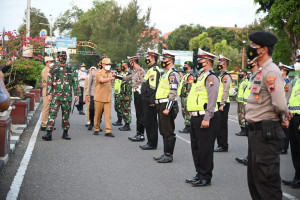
<point x="82" y="68"/>
<point x="51" y="64"/>
<point x="297" y="66"/>
<point x="107" y="67"/>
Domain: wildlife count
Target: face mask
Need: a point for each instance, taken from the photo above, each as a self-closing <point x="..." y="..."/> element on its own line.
<point x="219" y="67"/>
<point x="241" y="76"/>
<point x="252" y="53"/>
<point x="147" y="61"/>
<point x="199" y="66"/>
<point x="185" y="68"/>
<point x="164" y="64"/>
<point x="62" y="60"/>
<point x="82" y="68"/>
<point x="297" y="66"/>
<point x="119" y="69"/>
<point x="250" y="65"/>
<point x="51" y="64"/>
<point x="107" y="67"/>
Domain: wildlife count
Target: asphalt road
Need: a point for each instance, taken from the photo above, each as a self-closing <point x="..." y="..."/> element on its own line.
<point x="98" y="167"/>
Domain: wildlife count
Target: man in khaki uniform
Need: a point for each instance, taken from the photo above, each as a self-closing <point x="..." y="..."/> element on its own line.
<point x="265" y="113"/>
<point x="45" y="112"/>
<point x="102" y="98"/>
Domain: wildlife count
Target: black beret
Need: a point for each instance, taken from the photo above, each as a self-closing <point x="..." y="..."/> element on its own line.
<point x="263" y="38"/>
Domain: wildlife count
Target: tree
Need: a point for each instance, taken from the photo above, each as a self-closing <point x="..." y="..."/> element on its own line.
<point x="66" y="20"/>
<point x="201" y="41"/>
<point x="36" y="17"/>
<point x="283" y="15"/>
<point x="180" y="37"/>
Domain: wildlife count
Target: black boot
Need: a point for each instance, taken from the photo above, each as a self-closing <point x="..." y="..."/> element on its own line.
<point x="66" y="135"/>
<point x="165" y="147"/>
<point x="139" y="137"/>
<point x="126" y="127"/>
<point x="81" y="112"/>
<point x="90" y="127"/>
<point x="170" y="145"/>
<point x="48" y="136"/>
<point x="118" y="123"/>
<point x="242" y="160"/>
<point x="242" y="132"/>
<point x="187" y="129"/>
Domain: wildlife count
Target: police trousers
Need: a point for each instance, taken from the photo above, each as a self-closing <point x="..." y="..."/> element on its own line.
<point x="150" y="122"/>
<point x="138" y="104"/>
<point x="295" y="143"/>
<point x="222" y="136"/>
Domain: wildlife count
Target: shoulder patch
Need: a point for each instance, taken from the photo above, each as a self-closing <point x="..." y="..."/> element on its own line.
<point x="271" y="83"/>
<point x="210" y="81"/>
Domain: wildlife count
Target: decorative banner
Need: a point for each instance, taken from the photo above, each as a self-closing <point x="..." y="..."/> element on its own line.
<point x="43" y="33"/>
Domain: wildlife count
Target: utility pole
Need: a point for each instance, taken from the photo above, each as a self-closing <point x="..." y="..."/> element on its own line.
<point x="50" y="25"/>
<point x="28" y="18"/>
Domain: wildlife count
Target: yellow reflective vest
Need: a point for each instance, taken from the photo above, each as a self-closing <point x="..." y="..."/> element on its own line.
<point x="151" y="75"/>
<point x="294" y="102"/>
<point x="117" y="86"/>
<point x="221" y="88"/>
<point x="241" y="90"/>
<point x="163" y="89"/>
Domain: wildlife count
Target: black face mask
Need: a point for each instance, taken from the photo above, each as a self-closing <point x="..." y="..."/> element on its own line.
<point x="252" y="53"/>
<point x="250" y="65"/>
<point x="123" y="68"/>
<point x="241" y="76"/>
<point x="63" y="60"/>
<point x="199" y="66"/>
<point x="185" y="68"/>
<point x="147" y="61"/>
<point x="118" y="69"/>
<point x="220" y="67"/>
<point x="164" y="64"/>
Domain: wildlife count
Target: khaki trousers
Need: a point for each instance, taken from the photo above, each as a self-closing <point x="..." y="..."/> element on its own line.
<point x="87" y="112"/>
<point x="99" y="107"/>
<point x="45" y="111"/>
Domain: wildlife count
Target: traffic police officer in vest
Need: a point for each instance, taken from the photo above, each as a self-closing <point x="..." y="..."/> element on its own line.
<point x="117" y="90"/>
<point x="266" y="112"/>
<point x="183" y="91"/>
<point x="149" y="87"/>
<point x="202" y="104"/>
<point x="284" y="69"/>
<point x="167" y="106"/>
<point x="294" y="128"/>
<point x="223" y="103"/>
<point x="240" y="100"/>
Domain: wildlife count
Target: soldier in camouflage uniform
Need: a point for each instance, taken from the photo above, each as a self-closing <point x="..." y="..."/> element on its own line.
<point x="126" y="97"/>
<point x="117" y="90"/>
<point x="183" y="91"/>
<point x="62" y="78"/>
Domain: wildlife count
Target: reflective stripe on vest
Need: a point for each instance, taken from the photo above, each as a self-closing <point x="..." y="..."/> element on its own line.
<point x="198" y="97"/>
<point x="117" y="86"/>
<point x="163" y="89"/>
<point x="294" y="102"/>
<point x="151" y="75"/>
<point x="241" y="90"/>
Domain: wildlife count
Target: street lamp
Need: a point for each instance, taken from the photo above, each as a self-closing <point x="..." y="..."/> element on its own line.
<point x="243" y="56"/>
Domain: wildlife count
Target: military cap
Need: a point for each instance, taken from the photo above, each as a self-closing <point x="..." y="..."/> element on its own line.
<point x="58" y="53"/>
<point x="132" y="58"/>
<point x="284" y="67"/>
<point x="82" y="65"/>
<point x="167" y="55"/>
<point x="263" y="38"/>
<point x="47" y="59"/>
<point x="63" y="53"/>
<point x="106" y="61"/>
<point x="297" y="55"/>
<point x="190" y="63"/>
<point x="222" y="58"/>
<point x="152" y="53"/>
<point x="119" y="64"/>
<point x="125" y="61"/>
<point x="205" y="55"/>
<point x="244" y="70"/>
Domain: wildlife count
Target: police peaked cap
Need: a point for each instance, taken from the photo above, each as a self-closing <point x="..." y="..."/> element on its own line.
<point x="263" y="38"/>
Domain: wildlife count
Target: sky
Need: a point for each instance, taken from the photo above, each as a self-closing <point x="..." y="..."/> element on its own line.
<point x="166" y="15"/>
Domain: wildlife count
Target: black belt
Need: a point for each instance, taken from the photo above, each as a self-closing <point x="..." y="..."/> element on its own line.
<point x="255" y="126"/>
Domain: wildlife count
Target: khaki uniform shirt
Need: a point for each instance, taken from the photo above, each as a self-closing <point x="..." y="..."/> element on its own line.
<point x="91" y="83"/>
<point x="103" y="90"/>
<point x="137" y="77"/>
<point x="267" y="98"/>
<point x="45" y="72"/>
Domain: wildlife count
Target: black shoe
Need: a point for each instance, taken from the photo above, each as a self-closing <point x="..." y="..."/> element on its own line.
<point x="283" y="152"/>
<point x="109" y="135"/>
<point x="66" y="136"/>
<point x="221" y="149"/>
<point x="242" y="160"/>
<point x="296" y="183"/>
<point x="147" y="147"/>
<point x="48" y="136"/>
<point x="242" y="133"/>
<point x="90" y="127"/>
<point x="288" y="182"/>
<point x="77" y="106"/>
<point x="187" y="129"/>
<point x="43" y="128"/>
<point x="81" y="113"/>
<point x="118" y="123"/>
<point x="201" y="183"/>
<point x="159" y="157"/>
<point x="126" y="127"/>
<point x="96" y="132"/>
<point x="137" y="138"/>
<point x="192" y="180"/>
<point x="167" y="158"/>
<point x="86" y="125"/>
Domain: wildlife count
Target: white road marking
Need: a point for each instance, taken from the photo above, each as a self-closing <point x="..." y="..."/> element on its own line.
<point x="187" y="141"/>
<point x="288" y="196"/>
<point x="17" y="182"/>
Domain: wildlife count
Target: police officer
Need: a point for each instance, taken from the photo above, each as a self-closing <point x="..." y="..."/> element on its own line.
<point x="149" y="88"/>
<point x="284" y="69"/>
<point x="202" y="105"/>
<point x="183" y="91"/>
<point x="136" y="76"/>
<point x="294" y="128"/>
<point x="266" y="107"/>
<point x="167" y="106"/>
<point x="62" y="78"/>
<point x="125" y="98"/>
<point x="240" y="100"/>
<point x="223" y="103"/>
<point x="86" y="100"/>
<point x="117" y="90"/>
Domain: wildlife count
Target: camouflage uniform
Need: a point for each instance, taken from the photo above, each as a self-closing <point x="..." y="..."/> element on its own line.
<point x="60" y="82"/>
<point x="125" y="98"/>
